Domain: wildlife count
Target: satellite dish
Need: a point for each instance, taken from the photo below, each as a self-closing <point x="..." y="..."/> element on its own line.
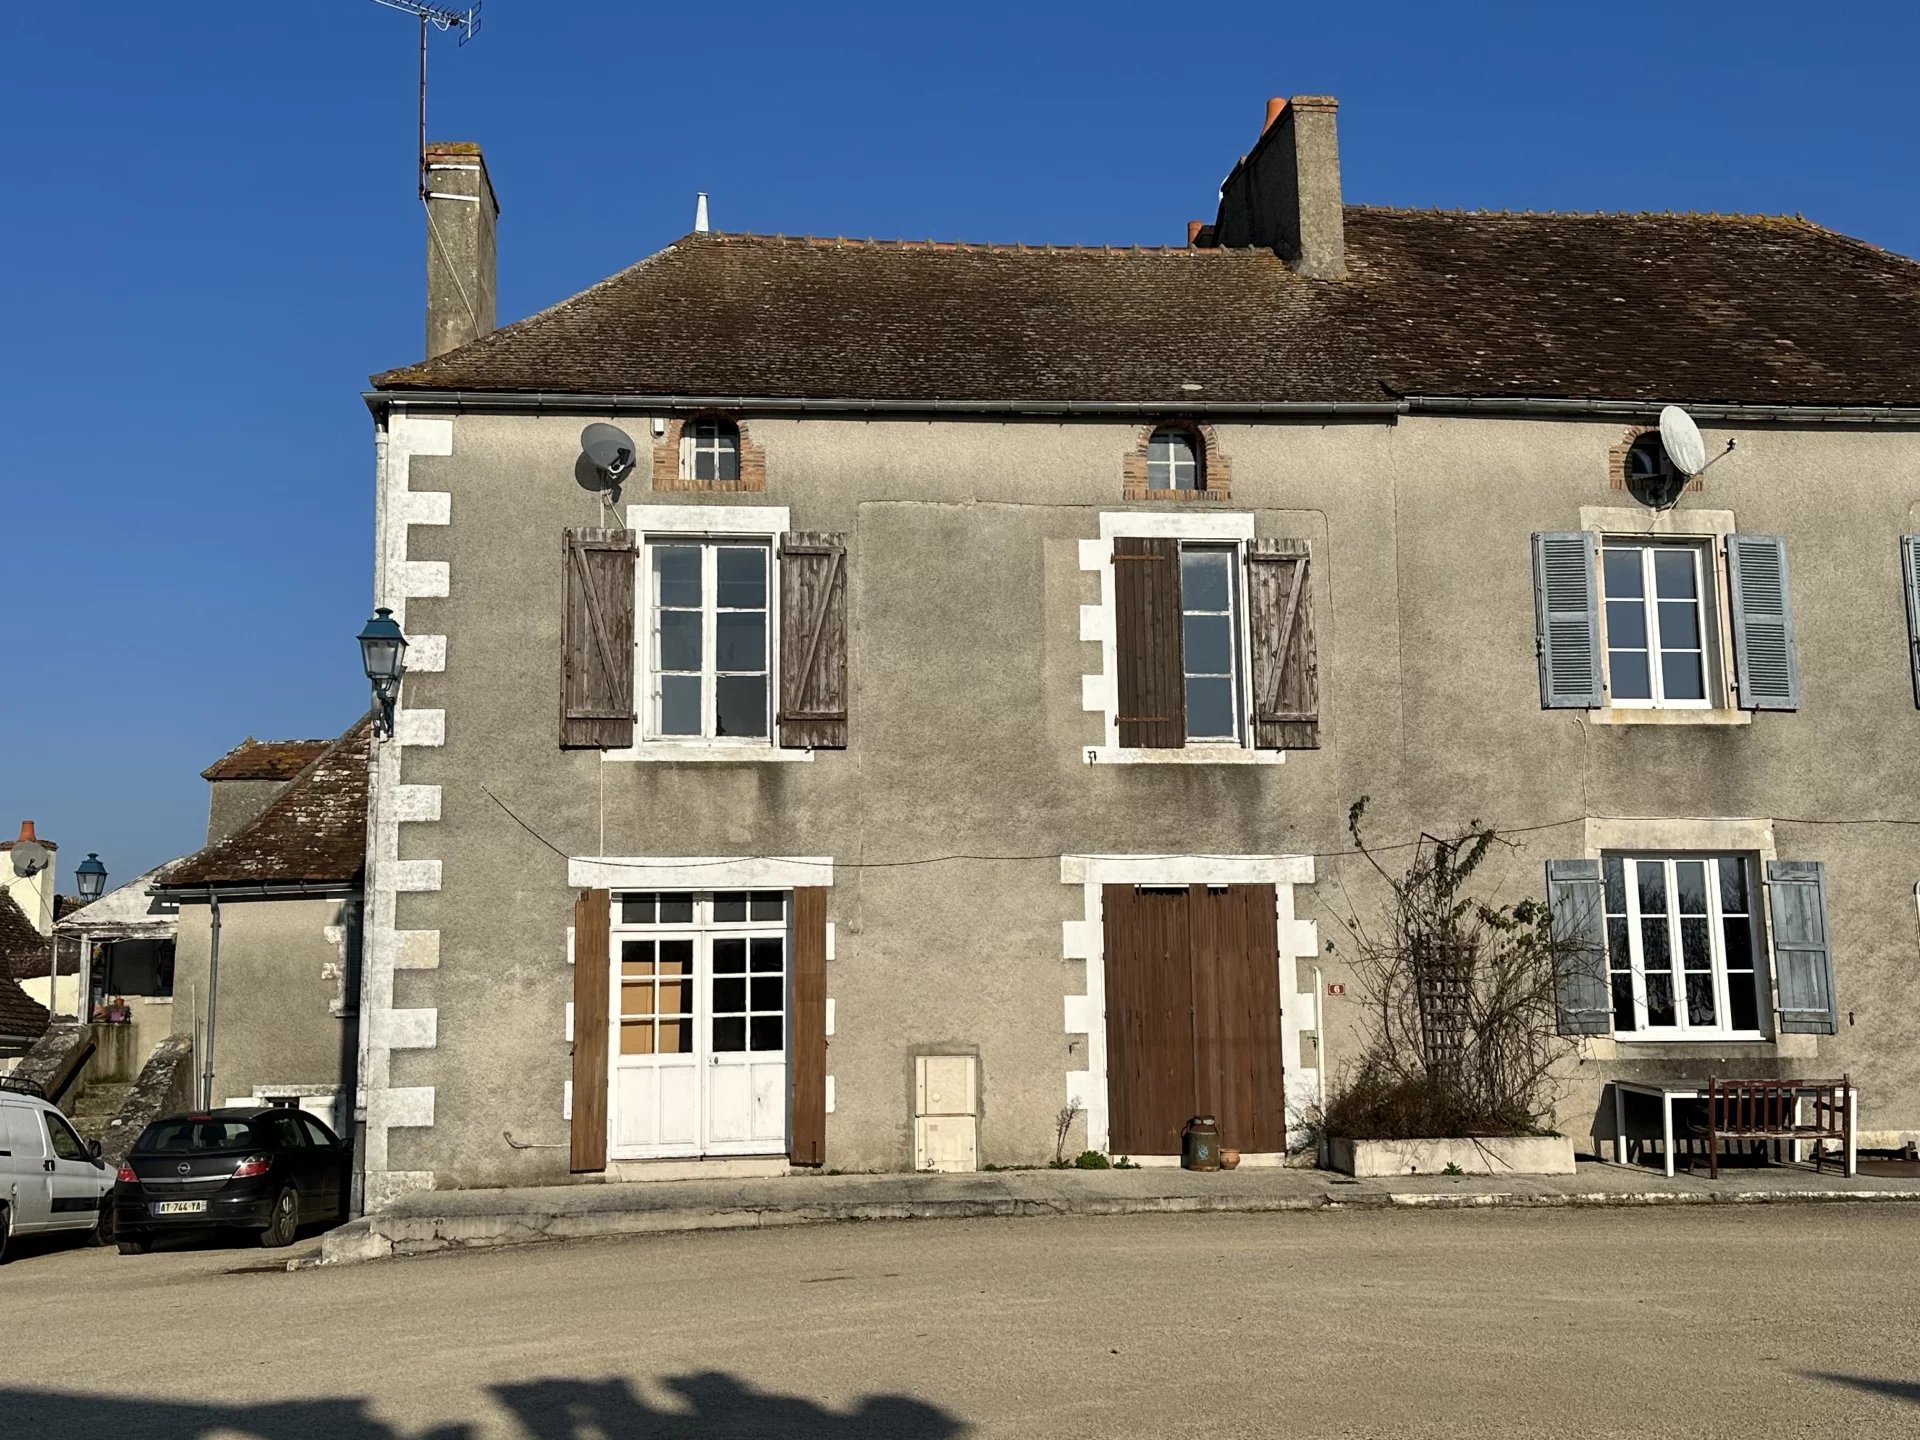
<point x="1680" y="438"/>
<point x="610" y="450"/>
<point x="29" y="858"/>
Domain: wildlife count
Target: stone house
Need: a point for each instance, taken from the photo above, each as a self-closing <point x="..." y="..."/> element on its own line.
<point x="952" y="714"/>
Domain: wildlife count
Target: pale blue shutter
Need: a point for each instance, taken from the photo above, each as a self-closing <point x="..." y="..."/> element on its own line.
<point x="1582" y="996"/>
<point x="1802" y="953"/>
<point x="1566" y="620"/>
<point x="1910" y="567"/>
<point x="1765" y="667"/>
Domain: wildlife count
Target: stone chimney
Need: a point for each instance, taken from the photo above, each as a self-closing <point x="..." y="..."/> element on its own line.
<point x="1284" y="195"/>
<point x="461" y="219"/>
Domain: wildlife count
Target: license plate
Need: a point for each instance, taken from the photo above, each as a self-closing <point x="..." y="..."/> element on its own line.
<point x="180" y="1207"/>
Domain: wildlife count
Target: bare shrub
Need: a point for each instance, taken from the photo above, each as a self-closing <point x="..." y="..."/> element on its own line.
<point x="1460" y="1036"/>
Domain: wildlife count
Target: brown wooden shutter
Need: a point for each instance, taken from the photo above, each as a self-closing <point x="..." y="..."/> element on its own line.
<point x="813" y="641"/>
<point x="1146" y="597"/>
<point x="807" y="1022"/>
<point x="596" y="706"/>
<point x="1286" y="681"/>
<point x="592" y="984"/>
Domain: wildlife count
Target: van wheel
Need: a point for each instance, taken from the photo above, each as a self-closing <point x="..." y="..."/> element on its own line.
<point x="286" y="1220"/>
<point x="6" y="1229"/>
<point x="134" y="1246"/>
<point x="103" y="1227"/>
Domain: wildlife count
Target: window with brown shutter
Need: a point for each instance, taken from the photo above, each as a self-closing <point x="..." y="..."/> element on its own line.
<point x="813" y="640"/>
<point x="592" y="984"/>
<point x="1152" y="684"/>
<point x="1286" y="683"/>
<point x="596" y="707"/>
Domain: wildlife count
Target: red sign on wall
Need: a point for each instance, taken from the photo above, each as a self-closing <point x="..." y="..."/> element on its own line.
<point x="1337" y="987"/>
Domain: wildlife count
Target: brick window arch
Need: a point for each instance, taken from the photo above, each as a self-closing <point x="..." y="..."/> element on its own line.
<point x="713" y="452"/>
<point x="1175" y="460"/>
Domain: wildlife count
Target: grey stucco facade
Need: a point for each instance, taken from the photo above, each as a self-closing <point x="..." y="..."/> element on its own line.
<point x="970" y="730"/>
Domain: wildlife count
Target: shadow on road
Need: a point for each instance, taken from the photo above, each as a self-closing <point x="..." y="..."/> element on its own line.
<point x="710" y="1406"/>
<point x="1908" y="1390"/>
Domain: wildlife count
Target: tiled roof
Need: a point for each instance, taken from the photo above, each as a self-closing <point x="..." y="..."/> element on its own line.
<point x="21" y="1016"/>
<point x="255" y="759"/>
<point x="24" y="952"/>
<point x="1669" y="308"/>
<point x="314" y="831"/>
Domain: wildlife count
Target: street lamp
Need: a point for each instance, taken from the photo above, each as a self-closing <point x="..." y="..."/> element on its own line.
<point x="90" y="878"/>
<point x="383" y="652"/>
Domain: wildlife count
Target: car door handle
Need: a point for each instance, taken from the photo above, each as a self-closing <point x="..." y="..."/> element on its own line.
<point x="47" y="1165"/>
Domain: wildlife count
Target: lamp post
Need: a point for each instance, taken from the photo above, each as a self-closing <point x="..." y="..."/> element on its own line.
<point x="90" y="878"/>
<point x="383" y="654"/>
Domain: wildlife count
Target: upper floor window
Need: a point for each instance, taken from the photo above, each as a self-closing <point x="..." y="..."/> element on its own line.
<point x="1175" y="460"/>
<point x="1657" y="623"/>
<point x="709" y="640"/>
<point x="710" y="450"/>
<point x="1210" y="641"/>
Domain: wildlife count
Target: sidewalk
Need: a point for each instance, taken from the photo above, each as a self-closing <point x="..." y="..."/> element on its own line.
<point x="467" y="1219"/>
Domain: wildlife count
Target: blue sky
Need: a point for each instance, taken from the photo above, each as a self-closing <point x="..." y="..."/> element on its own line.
<point x="209" y="239"/>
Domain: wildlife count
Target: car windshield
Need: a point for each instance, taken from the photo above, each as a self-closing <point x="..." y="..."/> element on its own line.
<point x="195" y="1137"/>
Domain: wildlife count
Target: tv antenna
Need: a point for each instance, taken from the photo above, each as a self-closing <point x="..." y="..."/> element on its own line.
<point x="467" y="22"/>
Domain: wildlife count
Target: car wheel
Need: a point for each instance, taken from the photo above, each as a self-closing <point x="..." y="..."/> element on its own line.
<point x="103" y="1227"/>
<point x="134" y="1245"/>
<point x="6" y="1229"/>
<point x="285" y="1220"/>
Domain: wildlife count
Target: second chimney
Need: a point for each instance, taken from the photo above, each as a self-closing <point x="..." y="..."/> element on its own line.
<point x="461" y="219"/>
<point x="1284" y="195"/>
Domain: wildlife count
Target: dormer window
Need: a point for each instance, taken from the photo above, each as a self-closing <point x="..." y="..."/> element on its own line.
<point x="1175" y="460"/>
<point x="710" y="450"/>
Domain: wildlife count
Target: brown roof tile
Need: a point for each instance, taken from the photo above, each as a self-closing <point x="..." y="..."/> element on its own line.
<point x="313" y="832"/>
<point x="24" y="952"/>
<point x="255" y="759"/>
<point x="21" y="1016"/>
<point x="1685" y="308"/>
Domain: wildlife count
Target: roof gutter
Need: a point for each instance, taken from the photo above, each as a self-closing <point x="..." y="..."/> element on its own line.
<point x="290" y="890"/>
<point x="542" y="402"/>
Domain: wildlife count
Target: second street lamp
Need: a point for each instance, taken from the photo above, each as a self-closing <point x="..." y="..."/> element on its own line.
<point x="90" y="878"/>
<point x="383" y="653"/>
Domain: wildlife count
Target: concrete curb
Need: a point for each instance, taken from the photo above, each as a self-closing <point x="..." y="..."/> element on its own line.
<point x="388" y="1235"/>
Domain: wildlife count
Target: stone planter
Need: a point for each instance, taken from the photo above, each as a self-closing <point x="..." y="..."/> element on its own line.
<point x="1490" y="1155"/>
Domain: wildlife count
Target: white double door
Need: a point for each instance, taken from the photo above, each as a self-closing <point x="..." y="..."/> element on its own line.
<point x="698" y="1050"/>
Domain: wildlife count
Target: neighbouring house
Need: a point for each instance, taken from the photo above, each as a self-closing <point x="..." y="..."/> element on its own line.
<point x="954" y="714"/>
<point x="264" y="970"/>
<point x="126" y="941"/>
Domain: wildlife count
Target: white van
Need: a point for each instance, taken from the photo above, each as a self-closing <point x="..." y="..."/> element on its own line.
<point x="50" y="1179"/>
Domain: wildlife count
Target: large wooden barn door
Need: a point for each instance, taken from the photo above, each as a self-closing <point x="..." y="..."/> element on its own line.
<point x="1193" y="1017"/>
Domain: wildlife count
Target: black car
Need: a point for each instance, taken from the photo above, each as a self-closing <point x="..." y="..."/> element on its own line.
<point x="268" y="1169"/>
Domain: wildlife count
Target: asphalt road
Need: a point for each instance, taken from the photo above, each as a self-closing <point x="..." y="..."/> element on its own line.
<point x="1760" y="1322"/>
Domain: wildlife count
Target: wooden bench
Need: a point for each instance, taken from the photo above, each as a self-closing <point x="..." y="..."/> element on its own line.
<point x="1771" y="1110"/>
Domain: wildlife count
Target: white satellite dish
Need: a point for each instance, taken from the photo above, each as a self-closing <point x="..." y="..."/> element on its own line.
<point x="1680" y="438"/>
<point x="29" y="858"/>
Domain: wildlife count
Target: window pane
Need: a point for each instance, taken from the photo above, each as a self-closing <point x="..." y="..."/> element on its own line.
<point x="1628" y="675"/>
<point x="1737" y="930"/>
<point x="636" y="1001"/>
<point x="1660" y="998"/>
<point x="705" y="464"/>
<point x="743" y="577"/>
<point x="676" y="909"/>
<point x="730" y="1034"/>
<point x="769" y="992"/>
<point x="740" y="705"/>
<point x="1696" y="950"/>
<point x="740" y="640"/>
<point x="1208" y="644"/>
<point x="675" y="997"/>
<point x="679" y="640"/>
<point x="676" y="1037"/>
<point x="1654" y="949"/>
<point x="1627" y="624"/>
<point x="1673" y="573"/>
<point x="1210" y="710"/>
<point x="1700" y="1006"/>
<point x="676" y="957"/>
<point x="730" y="957"/>
<point x="769" y="905"/>
<point x="1682" y="677"/>
<point x="1613" y="877"/>
<point x="766" y="955"/>
<point x="1733" y="887"/>
<point x="1619" y="957"/>
<point x="768" y="1033"/>
<point x="676" y="575"/>
<point x="636" y="1038"/>
<point x="1623" y="573"/>
<point x="729" y="460"/>
<point x="1204" y="578"/>
<point x="1679" y="625"/>
<point x="679" y="704"/>
<point x="1652" y="878"/>
<point x="636" y="958"/>
<point x="730" y="905"/>
<point x="1743" y="1000"/>
<point x="729" y="995"/>
<point x="1690" y="880"/>
<point x="1623" y="1016"/>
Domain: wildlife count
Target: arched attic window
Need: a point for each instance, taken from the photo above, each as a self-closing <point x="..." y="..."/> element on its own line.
<point x="1176" y="459"/>
<point x="710" y="450"/>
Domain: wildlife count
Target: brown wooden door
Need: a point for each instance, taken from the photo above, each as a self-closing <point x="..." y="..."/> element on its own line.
<point x="1193" y="1017"/>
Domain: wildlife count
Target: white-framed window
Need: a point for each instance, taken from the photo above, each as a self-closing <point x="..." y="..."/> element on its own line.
<point x="1174" y="461"/>
<point x="1661" y="625"/>
<point x="709" y="639"/>
<point x="1210" y="642"/>
<point x="702" y="973"/>
<point x="1683" y="946"/>
<point x="710" y="450"/>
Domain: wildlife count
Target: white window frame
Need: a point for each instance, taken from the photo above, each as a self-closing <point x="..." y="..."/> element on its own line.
<point x="1194" y="465"/>
<point x="1099" y="692"/>
<point x="668" y="524"/>
<point x="1707" y="617"/>
<point x="1236" y="613"/>
<point x="693" y="444"/>
<point x="710" y="674"/>
<point x="1760" y="969"/>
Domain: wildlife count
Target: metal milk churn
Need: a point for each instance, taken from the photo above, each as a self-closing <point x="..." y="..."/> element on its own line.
<point x="1200" y="1144"/>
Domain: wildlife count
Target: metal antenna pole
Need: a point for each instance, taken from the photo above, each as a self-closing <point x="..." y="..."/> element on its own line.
<point x="467" y="22"/>
<point x="420" y="150"/>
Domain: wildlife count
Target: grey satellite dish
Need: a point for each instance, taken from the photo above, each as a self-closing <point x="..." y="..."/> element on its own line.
<point x="610" y="450"/>
<point x="1680" y="438"/>
<point x="29" y="858"/>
